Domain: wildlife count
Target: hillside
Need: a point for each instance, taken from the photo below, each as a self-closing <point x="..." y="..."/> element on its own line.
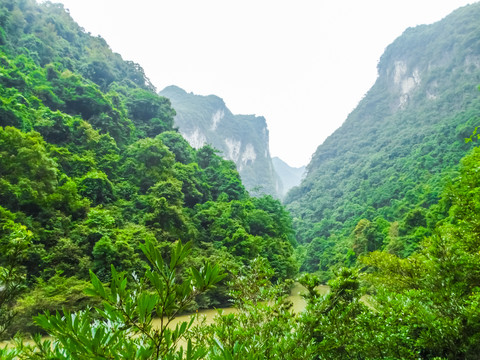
<point x="243" y="139"/>
<point x="389" y="160"/>
<point x="112" y="226"/>
<point x="91" y="168"/>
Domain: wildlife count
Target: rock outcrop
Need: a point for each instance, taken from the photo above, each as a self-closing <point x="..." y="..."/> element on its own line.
<point x="243" y="139"/>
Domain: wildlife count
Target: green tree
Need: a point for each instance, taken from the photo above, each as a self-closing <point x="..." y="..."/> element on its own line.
<point x="14" y="241"/>
<point x="264" y="326"/>
<point x="146" y="162"/>
<point x="28" y="174"/>
<point x="330" y="320"/>
<point x="97" y="187"/>
<point x="124" y="329"/>
<point x="195" y="190"/>
<point x="165" y="200"/>
<point x="180" y="147"/>
<point x="151" y="113"/>
<point x="366" y="237"/>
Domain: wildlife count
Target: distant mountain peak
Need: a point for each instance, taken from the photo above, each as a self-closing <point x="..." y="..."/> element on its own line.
<point x="244" y="139"/>
<point x="290" y="176"/>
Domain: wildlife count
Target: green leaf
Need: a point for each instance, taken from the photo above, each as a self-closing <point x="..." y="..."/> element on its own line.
<point x="199" y="280"/>
<point x="98" y="288"/>
<point x="146" y="304"/>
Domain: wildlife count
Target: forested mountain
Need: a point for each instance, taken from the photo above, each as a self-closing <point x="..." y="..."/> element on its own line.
<point x="369" y="184"/>
<point x="290" y="176"/>
<point x="109" y="219"/>
<point x="240" y="138"/>
<point x="91" y="168"/>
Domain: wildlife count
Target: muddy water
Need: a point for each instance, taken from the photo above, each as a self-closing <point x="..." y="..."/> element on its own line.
<point x="210" y="314"/>
<point x="297" y="299"/>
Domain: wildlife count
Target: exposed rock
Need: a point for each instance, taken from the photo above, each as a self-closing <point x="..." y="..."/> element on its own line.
<point x="243" y="139"/>
<point x="406" y="133"/>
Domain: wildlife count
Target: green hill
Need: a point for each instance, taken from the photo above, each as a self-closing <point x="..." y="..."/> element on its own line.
<point x="91" y="167"/>
<point x="388" y="161"/>
<point x="93" y="176"/>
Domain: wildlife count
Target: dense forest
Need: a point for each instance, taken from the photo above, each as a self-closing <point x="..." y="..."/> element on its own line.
<point x="91" y="167"/>
<point x="370" y="183"/>
<point x="112" y="225"/>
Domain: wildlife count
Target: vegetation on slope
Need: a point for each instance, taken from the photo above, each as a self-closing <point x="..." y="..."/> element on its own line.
<point x="377" y="174"/>
<point x="425" y="306"/>
<point x="91" y="167"/>
<point x="93" y="177"/>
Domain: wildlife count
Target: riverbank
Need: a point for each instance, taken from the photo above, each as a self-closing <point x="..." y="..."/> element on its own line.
<point x="208" y="315"/>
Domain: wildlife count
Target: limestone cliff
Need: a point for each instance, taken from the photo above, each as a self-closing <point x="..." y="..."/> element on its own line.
<point x="243" y="139"/>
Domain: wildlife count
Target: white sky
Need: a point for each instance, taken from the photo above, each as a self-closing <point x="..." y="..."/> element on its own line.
<point x="302" y="64"/>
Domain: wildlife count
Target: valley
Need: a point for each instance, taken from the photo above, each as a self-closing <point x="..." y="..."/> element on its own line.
<point x="123" y="208"/>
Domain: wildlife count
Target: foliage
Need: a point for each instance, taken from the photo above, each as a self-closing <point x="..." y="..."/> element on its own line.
<point x="14" y="241"/>
<point x="58" y="293"/>
<point x="122" y="328"/>
<point x="93" y="176"/>
<point x="397" y="149"/>
<point x="425" y="305"/>
<point x="91" y="167"/>
<point x="264" y="326"/>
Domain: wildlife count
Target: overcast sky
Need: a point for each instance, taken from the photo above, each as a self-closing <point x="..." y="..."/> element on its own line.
<point x="303" y="65"/>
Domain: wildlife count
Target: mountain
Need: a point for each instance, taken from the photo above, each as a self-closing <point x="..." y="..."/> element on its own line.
<point x="110" y="220"/>
<point x="290" y="176"/>
<point x="240" y="138"/>
<point x="92" y="168"/>
<point x="389" y="160"/>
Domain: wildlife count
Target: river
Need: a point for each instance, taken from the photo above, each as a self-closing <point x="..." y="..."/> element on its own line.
<point x="295" y="297"/>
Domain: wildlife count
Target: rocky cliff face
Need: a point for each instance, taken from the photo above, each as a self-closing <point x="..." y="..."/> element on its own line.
<point x="243" y="139"/>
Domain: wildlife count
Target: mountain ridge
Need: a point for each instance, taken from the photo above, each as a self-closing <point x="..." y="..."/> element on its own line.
<point x="244" y="139"/>
<point x="92" y="169"/>
<point x="391" y="154"/>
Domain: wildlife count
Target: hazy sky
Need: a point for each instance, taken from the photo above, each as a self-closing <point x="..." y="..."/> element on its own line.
<point x="303" y="65"/>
